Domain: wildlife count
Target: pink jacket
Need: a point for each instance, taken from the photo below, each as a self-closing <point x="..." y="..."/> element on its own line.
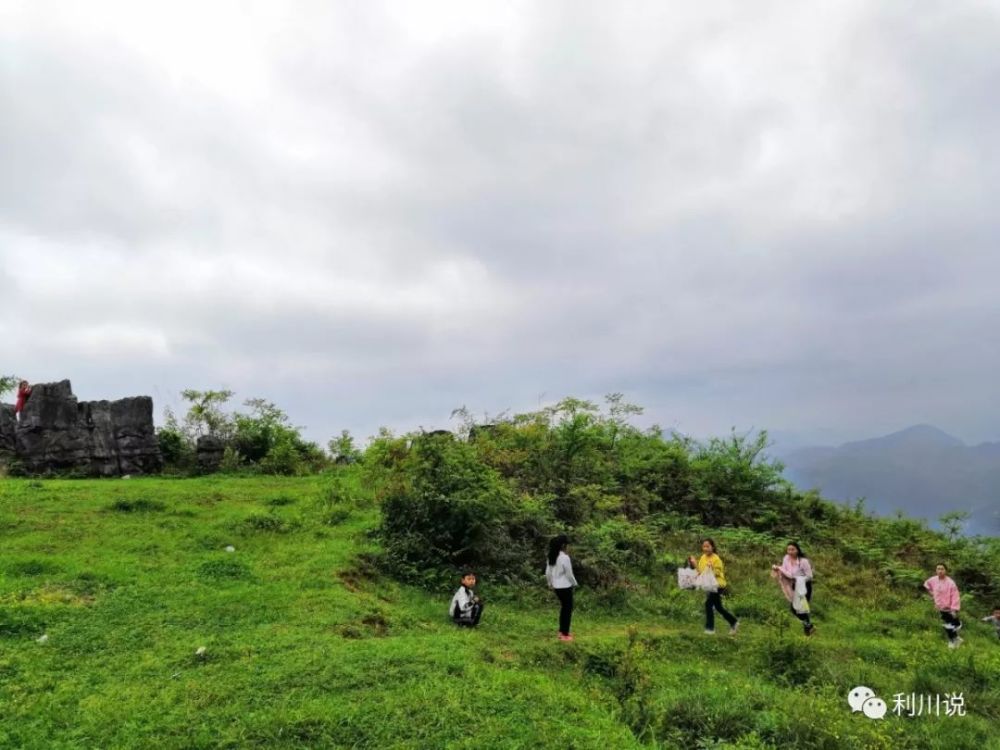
<point x="22" y="395"/>
<point x="945" y="593"/>
<point x="789" y="571"/>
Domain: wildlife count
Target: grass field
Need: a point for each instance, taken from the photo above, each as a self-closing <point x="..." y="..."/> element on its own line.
<point x="306" y="645"/>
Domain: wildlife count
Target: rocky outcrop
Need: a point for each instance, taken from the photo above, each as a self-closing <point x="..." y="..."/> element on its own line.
<point x="58" y="433"/>
<point x="209" y="450"/>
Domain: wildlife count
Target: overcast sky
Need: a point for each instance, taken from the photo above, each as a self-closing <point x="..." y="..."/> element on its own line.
<point x="773" y="214"/>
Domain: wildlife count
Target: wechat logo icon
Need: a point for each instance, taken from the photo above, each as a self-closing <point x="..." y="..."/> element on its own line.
<point x="863" y="699"/>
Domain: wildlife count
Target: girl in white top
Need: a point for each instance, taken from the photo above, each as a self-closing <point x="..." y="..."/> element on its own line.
<point x="559" y="574"/>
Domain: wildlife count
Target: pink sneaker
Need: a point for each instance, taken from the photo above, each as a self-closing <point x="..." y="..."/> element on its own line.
<point x="563" y="637"/>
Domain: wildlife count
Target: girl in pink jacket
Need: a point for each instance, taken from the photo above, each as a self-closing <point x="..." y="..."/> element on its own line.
<point x="946" y="600"/>
<point x="795" y="576"/>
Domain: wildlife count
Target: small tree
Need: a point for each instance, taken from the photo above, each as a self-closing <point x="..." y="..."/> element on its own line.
<point x="205" y="415"/>
<point x="257" y="432"/>
<point x="954" y="522"/>
<point x="8" y="383"/>
<point x="343" y="450"/>
<point x="176" y="446"/>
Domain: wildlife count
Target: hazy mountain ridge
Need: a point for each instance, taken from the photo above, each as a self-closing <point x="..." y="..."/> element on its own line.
<point x="921" y="470"/>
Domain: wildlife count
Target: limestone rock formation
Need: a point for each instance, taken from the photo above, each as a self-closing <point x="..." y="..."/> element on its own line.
<point x="58" y="433"/>
<point x="209" y="450"/>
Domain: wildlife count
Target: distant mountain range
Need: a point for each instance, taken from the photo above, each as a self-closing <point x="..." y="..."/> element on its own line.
<point x="923" y="471"/>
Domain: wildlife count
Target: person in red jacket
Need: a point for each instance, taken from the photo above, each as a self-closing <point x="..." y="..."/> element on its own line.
<point x="23" y="391"/>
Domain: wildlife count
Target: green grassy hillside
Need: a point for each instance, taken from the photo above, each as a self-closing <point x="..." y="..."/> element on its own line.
<point x="307" y="645"/>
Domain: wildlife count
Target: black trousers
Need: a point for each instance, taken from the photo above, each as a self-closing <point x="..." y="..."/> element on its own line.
<point x="566" y="608"/>
<point x="473" y="619"/>
<point x="714" y="602"/>
<point x="951" y="625"/>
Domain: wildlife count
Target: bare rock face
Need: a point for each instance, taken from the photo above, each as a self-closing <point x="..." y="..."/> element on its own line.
<point x="94" y="438"/>
<point x="7" y="424"/>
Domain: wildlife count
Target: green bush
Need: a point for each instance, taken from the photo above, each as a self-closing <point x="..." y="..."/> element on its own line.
<point x="491" y="495"/>
<point x="137" y="505"/>
<point x="177" y="450"/>
<point x="224" y="568"/>
<point x="443" y="509"/>
<point x="268" y="522"/>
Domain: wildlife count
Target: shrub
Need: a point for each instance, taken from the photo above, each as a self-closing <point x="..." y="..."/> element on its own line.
<point x="612" y="552"/>
<point x="443" y="509"/>
<point x="789" y="661"/>
<point x="176" y="448"/>
<point x="268" y="522"/>
<point x="32" y="568"/>
<point x="16" y="622"/>
<point x="138" y="505"/>
<point x="224" y="568"/>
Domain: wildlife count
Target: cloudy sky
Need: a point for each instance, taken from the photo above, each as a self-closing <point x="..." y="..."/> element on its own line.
<point x="769" y="214"/>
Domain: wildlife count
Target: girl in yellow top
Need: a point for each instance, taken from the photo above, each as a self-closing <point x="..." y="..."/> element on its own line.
<point x="713" y="601"/>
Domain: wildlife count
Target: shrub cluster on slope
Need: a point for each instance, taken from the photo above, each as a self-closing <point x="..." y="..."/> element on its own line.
<point x="489" y="497"/>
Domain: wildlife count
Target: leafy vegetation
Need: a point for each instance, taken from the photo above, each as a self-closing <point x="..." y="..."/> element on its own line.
<point x="8" y="383"/>
<point x="491" y="496"/>
<point x="261" y="439"/>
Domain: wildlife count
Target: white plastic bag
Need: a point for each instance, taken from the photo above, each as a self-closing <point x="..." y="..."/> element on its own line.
<point x="686" y="578"/>
<point x="705" y="581"/>
<point x="799" y="601"/>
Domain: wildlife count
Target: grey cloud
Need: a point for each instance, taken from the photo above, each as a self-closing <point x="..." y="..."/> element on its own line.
<point x="779" y="218"/>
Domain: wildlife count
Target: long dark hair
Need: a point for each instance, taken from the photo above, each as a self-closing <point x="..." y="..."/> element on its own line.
<point x="711" y="541"/>
<point x="556" y="545"/>
<point x="802" y="555"/>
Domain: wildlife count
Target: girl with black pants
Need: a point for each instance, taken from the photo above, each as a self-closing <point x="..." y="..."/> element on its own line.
<point x="559" y="574"/>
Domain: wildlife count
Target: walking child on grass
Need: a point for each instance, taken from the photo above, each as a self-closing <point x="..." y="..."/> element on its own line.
<point x="710" y="560"/>
<point x="795" y="576"/>
<point x="946" y="600"/>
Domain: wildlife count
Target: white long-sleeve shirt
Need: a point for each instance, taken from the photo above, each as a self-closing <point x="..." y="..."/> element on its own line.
<point x="463" y="599"/>
<point x="560" y="575"/>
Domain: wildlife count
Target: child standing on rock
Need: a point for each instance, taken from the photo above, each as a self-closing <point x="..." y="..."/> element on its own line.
<point x="23" y="392"/>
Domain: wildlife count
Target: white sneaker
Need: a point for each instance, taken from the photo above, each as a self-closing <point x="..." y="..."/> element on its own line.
<point x="957" y="642"/>
<point x="734" y="628"/>
<point x="709" y="632"/>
